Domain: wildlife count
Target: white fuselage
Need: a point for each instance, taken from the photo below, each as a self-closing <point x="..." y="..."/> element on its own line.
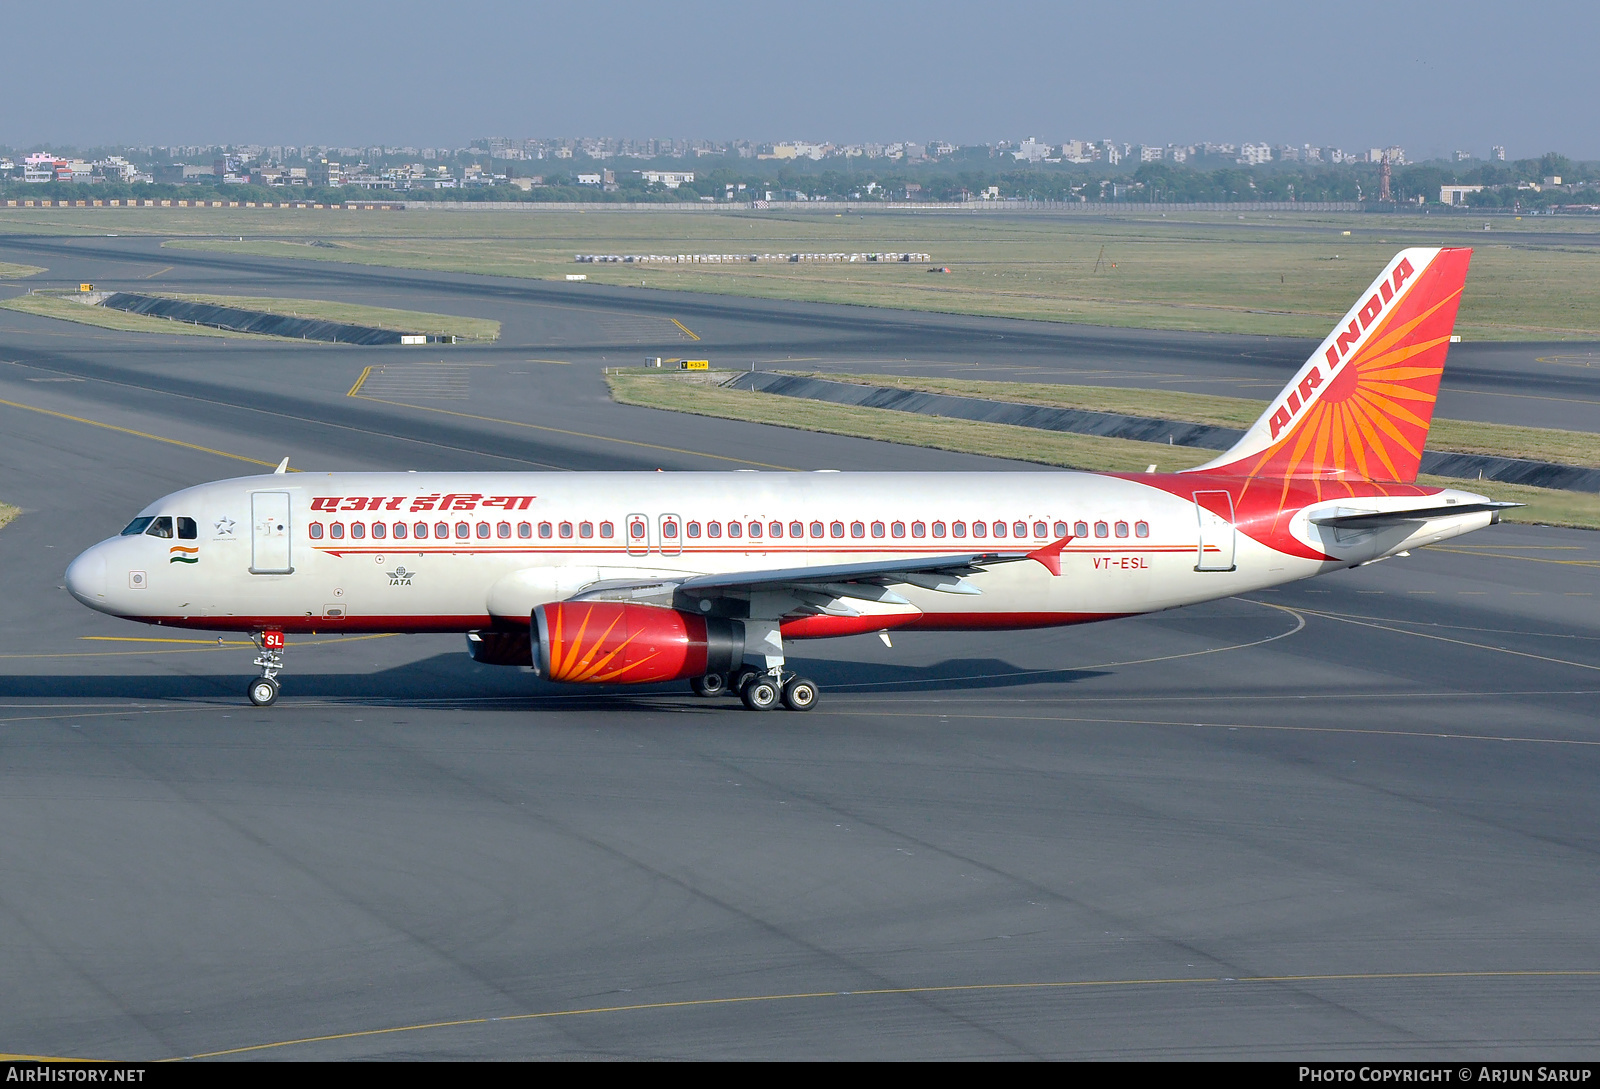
<point x="414" y="552"/>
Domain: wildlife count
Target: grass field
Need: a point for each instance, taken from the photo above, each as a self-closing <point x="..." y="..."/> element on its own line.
<point x="409" y="321"/>
<point x="1459" y="436"/>
<point x="1543" y="506"/>
<point x="68" y="309"/>
<point x="7" y="513"/>
<point x="1532" y="279"/>
<point x="9" y="271"/>
<point x="55" y="306"/>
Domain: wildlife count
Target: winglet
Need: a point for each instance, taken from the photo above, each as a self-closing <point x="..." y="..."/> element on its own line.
<point x="283" y="467"/>
<point x="1050" y="555"/>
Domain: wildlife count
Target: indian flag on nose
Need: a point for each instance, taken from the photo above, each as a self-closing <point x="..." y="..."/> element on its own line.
<point x="183" y="554"/>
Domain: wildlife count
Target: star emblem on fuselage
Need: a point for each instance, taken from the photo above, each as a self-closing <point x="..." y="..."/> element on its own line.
<point x="224" y="526"/>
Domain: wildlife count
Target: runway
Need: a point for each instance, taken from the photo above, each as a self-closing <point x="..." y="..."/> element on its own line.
<point x="1350" y="819"/>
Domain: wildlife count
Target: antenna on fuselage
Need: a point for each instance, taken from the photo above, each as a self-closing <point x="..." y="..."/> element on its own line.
<point x="283" y="467"/>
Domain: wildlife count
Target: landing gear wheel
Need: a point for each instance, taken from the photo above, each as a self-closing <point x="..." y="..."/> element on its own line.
<point x="800" y="694"/>
<point x="263" y="691"/>
<point x="740" y="679"/>
<point x="760" y="693"/>
<point x="712" y="684"/>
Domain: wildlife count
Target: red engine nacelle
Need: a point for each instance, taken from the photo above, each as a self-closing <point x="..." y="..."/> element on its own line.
<point x="612" y="642"/>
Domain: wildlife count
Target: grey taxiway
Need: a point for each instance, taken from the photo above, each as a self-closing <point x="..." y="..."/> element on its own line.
<point x="1353" y="818"/>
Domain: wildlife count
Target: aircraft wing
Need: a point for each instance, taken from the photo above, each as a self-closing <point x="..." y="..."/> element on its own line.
<point x="868" y="580"/>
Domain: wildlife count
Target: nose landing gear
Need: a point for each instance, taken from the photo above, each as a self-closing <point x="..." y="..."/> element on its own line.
<point x="263" y="691"/>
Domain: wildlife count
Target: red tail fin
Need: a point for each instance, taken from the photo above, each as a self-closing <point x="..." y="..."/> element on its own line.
<point x="1361" y="406"/>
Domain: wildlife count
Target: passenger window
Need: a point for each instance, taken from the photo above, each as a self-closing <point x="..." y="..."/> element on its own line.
<point x="797" y="530"/>
<point x="897" y="529"/>
<point x="463" y="531"/>
<point x="836" y="529"/>
<point x="137" y="526"/>
<point x="607" y="530"/>
<point x="669" y="530"/>
<point x="1040" y="529"/>
<point x="635" y="530"/>
<point x="336" y="531"/>
<point x="1061" y="529"/>
<point x="399" y="531"/>
<point x="877" y="529"/>
<point x="187" y="530"/>
<point x="441" y="530"/>
<point x="734" y="529"/>
<point x="160" y="527"/>
<point x="358" y="530"/>
<point x="958" y="529"/>
<point x="694" y="529"/>
<point x="315" y="530"/>
<point x="1019" y="529"/>
<point x="1122" y="529"/>
<point x="816" y="529"/>
<point x="1141" y="529"/>
<point x="420" y="531"/>
<point x="980" y="529"/>
<point x="545" y="530"/>
<point x="379" y="530"/>
<point x="999" y="529"/>
<point x="775" y="529"/>
<point x="586" y="529"/>
<point x="524" y="530"/>
<point x="483" y="531"/>
<point x="755" y="529"/>
<point x="566" y="530"/>
<point x="713" y="529"/>
<point x="1080" y="529"/>
<point x="918" y="529"/>
<point x="503" y="531"/>
<point x="1102" y="530"/>
<point x="858" y="529"/>
<point x="938" y="529"/>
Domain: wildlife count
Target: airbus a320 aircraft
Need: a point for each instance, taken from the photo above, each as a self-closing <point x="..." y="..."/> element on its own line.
<point x="639" y="578"/>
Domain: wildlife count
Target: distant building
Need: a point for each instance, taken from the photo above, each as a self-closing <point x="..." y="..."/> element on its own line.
<point x="669" y="178"/>
<point x="1497" y="153"/>
<point x="1461" y="156"/>
<point x="1456" y="195"/>
<point x="325" y="172"/>
<point x="589" y="179"/>
<point x="1030" y="151"/>
<point x="1255" y="154"/>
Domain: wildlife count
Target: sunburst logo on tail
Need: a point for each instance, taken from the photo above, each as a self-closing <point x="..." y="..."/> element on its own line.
<point x="1361" y="406"/>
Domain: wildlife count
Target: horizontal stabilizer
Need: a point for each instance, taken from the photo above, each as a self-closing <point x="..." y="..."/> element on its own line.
<point x="1342" y="519"/>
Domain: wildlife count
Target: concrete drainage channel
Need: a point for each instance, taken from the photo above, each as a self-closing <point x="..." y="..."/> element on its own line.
<point x="1445" y="463"/>
<point x="238" y="320"/>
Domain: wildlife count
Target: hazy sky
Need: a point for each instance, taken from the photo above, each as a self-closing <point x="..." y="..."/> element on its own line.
<point x="1431" y="77"/>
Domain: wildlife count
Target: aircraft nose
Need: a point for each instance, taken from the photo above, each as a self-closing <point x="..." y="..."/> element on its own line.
<point x="86" y="578"/>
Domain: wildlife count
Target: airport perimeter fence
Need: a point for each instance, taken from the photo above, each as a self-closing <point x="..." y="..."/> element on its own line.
<point x="992" y="207"/>
<point x="974" y="206"/>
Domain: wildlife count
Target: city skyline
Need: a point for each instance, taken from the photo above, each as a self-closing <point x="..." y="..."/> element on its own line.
<point x="399" y="74"/>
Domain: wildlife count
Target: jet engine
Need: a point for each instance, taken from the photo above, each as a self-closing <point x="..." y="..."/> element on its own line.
<point x="611" y="642"/>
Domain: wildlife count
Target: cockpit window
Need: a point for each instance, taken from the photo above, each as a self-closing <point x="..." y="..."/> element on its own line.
<point x="160" y="527"/>
<point x="187" y="530"/>
<point x="137" y="526"/>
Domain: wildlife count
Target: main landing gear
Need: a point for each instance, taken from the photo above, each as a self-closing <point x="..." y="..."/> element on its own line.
<point x="263" y="691"/>
<point x="761" y="691"/>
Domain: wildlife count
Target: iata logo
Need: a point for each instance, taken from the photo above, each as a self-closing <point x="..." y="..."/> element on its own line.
<point x="400" y="577"/>
<point x="1343" y="345"/>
